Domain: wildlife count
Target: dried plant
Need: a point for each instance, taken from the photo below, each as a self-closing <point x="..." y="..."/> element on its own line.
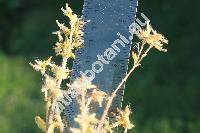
<point x="69" y="39"/>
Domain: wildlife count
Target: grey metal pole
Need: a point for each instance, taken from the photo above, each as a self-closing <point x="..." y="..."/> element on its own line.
<point x="107" y="44"/>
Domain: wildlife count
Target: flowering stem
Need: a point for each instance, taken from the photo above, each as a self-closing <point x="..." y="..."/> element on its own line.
<point x="65" y="59"/>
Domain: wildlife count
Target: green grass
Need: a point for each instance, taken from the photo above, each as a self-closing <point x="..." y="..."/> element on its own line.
<point x="20" y="98"/>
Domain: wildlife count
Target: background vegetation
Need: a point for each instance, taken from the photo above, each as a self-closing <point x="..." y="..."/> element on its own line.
<point x="164" y="93"/>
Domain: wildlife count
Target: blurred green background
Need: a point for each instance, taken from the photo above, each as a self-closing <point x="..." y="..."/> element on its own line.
<point x="164" y="93"/>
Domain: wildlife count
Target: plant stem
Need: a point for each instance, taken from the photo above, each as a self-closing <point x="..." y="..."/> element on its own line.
<point x="100" y="125"/>
<point x="64" y="64"/>
<point x="109" y="102"/>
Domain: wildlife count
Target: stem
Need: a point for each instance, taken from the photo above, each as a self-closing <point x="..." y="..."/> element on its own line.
<point x="141" y="49"/>
<point x="125" y="131"/>
<point x="145" y="54"/>
<point x="64" y="64"/>
<point x="136" y="64"/>
<point x="47" y="115"/>
<point x="65" y="59"/>
<point x="83" y="108"/>
<point x="59" y="82"/>
<point x="100" y="125"/>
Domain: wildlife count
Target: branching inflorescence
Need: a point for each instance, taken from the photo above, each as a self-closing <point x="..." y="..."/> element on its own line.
<point x="70" y="39"/>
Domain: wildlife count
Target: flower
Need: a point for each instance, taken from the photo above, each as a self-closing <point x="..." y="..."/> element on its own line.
<point x="67" y="11"/>
<point x="75" y="130"/>
<point x="98" y="96"/>
<point x="51" y="90"/>
<point x="41" y="65"/>
<point x="71" y="39"/>
<point x="63" y="29"/>
<point x="59" y="73"/>
<point x="123" y="119"/>
<point x="64" y="49"/>
<point x="86" y="122"/>
<point x="59" y="34"/>
<point x="82" y="84"/>
<point x="151" y="37"/>
<point x="89" y="119"/>
<point x="50" y="84"/>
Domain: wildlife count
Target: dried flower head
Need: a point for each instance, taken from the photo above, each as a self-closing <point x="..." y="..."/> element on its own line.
<point x="69" y="38"/>
<point x="82" y="84"/>
<point x="49" y="85"/>
<point x="98" y="96"/>
<point x="41" y="65"/>
<point x="123" y="118"/>
<point x="67" y="11"/>
<point x="59" y="73"/>
<point x="151" y="37"/>
<point x="87" y="121"/>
